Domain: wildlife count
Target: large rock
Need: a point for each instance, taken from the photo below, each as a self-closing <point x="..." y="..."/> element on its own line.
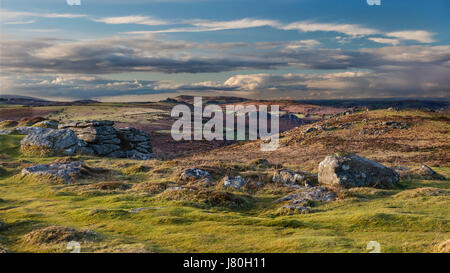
<point x="349" y="170"/>
<point x="44" y="141"/>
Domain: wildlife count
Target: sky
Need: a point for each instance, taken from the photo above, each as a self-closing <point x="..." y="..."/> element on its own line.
<point x="137" y="50"/>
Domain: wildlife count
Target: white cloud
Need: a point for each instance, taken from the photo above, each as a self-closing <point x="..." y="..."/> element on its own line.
<point x="413" y="35"/>
<point x="22" y="17"/>
<point x="132" y="19"/>
<point x="385" y="41"/>
<point x="302" y="44"/>
<point x="348" y="29"/>
<point x="235" y="24"/>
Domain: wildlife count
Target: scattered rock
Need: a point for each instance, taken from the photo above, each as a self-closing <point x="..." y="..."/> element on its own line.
<point x="291" y="178"/>
<point x="194" y="174"/>
<point x="321" y="194"/>
<point x="423" y="172"/>
<point x="429" y="173"/>
<point x="394" y="124"/>
<point x="59" y="234"/>
<point x="235" y="182"/>
<point x="67" y="171"/>
<point x="301" y="202"/>
<point x="350" y="170"/>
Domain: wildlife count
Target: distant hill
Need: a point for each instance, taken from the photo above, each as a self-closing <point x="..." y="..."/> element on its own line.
<point x="399" y="103"/>
<point x="31" y="101"/>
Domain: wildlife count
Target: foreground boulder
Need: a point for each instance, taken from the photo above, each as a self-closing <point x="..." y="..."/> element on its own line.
<point x="67" y="171"/>
<point x="350" y="170"/>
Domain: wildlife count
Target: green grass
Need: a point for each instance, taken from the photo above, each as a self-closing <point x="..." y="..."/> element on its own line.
<point x="398" y="224"/>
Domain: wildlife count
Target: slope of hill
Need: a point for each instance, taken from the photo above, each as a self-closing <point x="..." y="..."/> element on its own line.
<point x="406" y="137"/>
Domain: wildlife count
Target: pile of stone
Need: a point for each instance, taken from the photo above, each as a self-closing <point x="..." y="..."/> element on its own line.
<point x="90" y="138"/>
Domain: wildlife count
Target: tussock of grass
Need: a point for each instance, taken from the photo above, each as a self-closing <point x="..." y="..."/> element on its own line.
<point x="422" y="192"/>
<point x="136" y="169"/>
<point x="58" y="234"/>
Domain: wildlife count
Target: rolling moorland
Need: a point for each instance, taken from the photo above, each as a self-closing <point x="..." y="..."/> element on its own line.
<point x="228" y="196"/>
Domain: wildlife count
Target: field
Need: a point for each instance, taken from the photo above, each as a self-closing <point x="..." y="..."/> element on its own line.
<point x="130" y="209"/>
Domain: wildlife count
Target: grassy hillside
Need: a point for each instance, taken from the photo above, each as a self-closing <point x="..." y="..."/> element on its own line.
<point x="412" y="218"/>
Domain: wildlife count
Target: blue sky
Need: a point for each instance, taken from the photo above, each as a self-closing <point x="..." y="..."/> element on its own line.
<point x="145" y="50"/>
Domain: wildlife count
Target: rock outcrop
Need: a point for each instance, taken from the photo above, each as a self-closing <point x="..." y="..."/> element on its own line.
<point x="89" y="138"/>
<point x="105" y="140"/>
<point x="350" y="170"/>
